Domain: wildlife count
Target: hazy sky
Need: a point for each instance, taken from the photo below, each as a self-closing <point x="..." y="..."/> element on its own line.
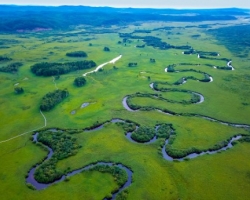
<point x="138" y="3"/>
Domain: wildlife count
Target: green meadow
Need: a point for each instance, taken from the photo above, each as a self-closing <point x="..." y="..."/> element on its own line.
<point x="224" y="175"/>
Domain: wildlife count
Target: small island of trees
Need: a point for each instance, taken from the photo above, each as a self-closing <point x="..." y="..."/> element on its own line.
<point x="77" y="54"/>
<point x="132" y="64"/>
<point x="18" y="90"/>
<point x="143" y="134"/>
<point x="52" y="69"/>
<point x="79" y="81"/>
<point x="51" y="99"/>
<point x="4" y="58"/>
<point x="11" y="68"/>
<point x="106" y="49"/>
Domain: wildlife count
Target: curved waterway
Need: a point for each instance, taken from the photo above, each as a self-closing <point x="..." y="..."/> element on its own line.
<point x="39" y="186"/>
<point x="125" y="105"/>
<point x="129" y="134"/>
<point x="229" y="64"/>
<point x="102" y="65"/>
<point x="202" y="98"/>
<point x="195" y="155"/>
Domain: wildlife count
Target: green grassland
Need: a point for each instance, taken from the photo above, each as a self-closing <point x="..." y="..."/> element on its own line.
<point x="223" y="175"/>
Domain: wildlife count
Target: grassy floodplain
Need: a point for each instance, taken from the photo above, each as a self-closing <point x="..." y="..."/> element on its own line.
<point x="224" y="175"/>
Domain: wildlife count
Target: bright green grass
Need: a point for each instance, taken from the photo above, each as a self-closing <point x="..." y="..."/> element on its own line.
<point x="227" y="98"/>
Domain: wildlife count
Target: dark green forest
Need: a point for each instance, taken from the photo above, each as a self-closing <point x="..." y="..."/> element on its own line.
<point x="51" y="99"/>
<point x="51" y="69"/>
<point x="13" y="18"/>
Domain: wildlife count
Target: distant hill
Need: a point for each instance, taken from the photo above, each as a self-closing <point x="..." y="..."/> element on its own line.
<point x="19" y="18"/>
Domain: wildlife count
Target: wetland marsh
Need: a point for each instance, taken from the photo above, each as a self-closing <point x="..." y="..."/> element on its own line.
<point x="168" y="119"/>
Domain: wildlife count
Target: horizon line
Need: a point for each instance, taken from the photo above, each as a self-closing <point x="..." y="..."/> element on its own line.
<point x="93" y="6"/>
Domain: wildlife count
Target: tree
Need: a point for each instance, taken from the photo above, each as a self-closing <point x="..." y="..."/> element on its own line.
<point x="106" y="49"/>
<point x="77" y="54"/>
<point x="132" y="64"/>
<point x="18" y="90"/>
<point x="80" y="81"/>
<point x="152" y="60"/>
<point x="51" y="99"/>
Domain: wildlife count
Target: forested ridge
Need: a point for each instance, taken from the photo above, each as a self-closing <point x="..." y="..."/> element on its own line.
<point x="14" y="18"/>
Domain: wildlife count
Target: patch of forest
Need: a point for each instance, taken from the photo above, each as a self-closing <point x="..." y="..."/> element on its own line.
<point x="4" y="58"/>
<point x="15" y="18"/>
<point x="77" y="54"/>
<point x="152" y="41"/>
<point x="51" y="99"/>
<point x="51" y="69"/>
<point x="11" y="68"/>
<point x="63" y="146"/>
<point x="235" y="38"/>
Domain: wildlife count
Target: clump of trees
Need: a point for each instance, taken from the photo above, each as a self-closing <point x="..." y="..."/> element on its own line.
<point x="132" y="64"/>
<point x="143" y="134"/>
<point x="140" y="46"/>
<point x="79" y="81"/>
<point x="171" y="68"/>
<point x="191" y="51"/>
<point x="11" y="68"/>
<point x="63" y="146"/>
<point x="4" y="58"/>
<point x="51" y="99"/>
<point x="206" y="78"/>
<point x="120" y="176"/>
<point x="52" y="69"/>
<point x="77" y="54"/>
<point x="195" y="98"/>
<point x="127" y="127"/>
<point x="18" y="90"/>
<point x="152" y="60"/>
<point x="164" y="131"/>
<point x="106" y="49"/>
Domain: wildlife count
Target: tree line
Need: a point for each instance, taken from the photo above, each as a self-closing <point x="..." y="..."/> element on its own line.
<point x="77" y="54"/>
<point x="11" y="68"/>
<point x="51" y="99"/>
<point x="63" y="146"/>
<point x="52" y="69"/>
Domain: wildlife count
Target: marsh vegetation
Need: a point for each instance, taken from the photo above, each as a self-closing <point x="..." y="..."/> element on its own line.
<point x="155" y="95"/>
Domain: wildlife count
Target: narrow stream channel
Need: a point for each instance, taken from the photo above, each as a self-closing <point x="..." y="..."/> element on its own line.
<point x="39" y="186"/>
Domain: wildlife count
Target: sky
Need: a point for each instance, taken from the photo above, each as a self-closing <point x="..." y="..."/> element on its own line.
<point x="139" y="3"/>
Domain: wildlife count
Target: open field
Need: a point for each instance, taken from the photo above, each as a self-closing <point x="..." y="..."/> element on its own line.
<point x="223" y="175"/>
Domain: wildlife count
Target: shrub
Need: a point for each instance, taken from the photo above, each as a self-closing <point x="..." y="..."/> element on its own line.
<point x="51" y="99"/>
<point x="18" y="90"/>
<point x="143" y="134"/>
<point x="80" y="81"/>
<point x="77" y="54"/>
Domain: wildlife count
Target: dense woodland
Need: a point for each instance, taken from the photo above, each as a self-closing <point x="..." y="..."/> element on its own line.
<point x="11" y="68"/>
<point x="143" y="134"/>
<point x="151" y="41"/>
<point x="63" y="146"/>
<point x="237" y="41"/>
<point x="51" y="69"/>
<point x="77" y="54"/>
<point x="51" y="99"/>
<point x="79" y="81"/>
<point x="13" y="18"/>
<point x="4" y="58"/>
